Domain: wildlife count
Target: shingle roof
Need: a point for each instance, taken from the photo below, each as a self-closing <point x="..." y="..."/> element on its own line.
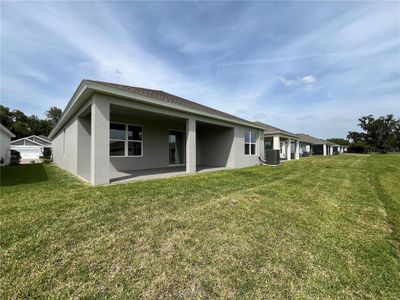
<point x="331" y="144"/>
<point x="169" y="98"/>
<point x="310" y="139"/>
<point x="268" y="129"/>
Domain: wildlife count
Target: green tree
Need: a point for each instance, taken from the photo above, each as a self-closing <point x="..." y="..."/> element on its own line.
<point x="6" y="116"/>
<point x="339" y="141"/>
<point x="53" y="115"/>
<point x="378" y="133"/>
<point x="355" y="137"/>
<point x="22" y="125"/>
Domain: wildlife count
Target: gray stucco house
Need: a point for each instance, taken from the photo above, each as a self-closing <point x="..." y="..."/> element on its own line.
<point x="317" y="146"/>
<point x="5" y="140"/>
<point x="278" y="139"/>
<point x="110" y="132"/>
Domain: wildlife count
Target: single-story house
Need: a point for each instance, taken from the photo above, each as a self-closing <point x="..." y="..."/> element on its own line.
<point x="339" y="149"/>
<point x="31" y="147"/>
<point x="284" y="141"/>
<point x="313" y="145"/>
<point x="332" y="148"/>
<point x="5" y="139"/>
<point x="110" y="132"/>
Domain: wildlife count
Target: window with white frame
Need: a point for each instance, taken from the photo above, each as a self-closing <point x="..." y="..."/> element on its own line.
<point x="250" y="141"/>
<point x="126" y="140"/>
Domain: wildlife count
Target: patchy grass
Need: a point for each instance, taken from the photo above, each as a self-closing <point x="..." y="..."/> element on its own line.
<point x="324" y="227"/>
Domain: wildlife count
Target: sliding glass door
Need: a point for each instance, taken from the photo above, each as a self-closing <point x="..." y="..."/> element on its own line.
<point x="176" y="147"/>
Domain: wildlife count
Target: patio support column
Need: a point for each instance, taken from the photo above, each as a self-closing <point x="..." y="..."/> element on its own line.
<point x="99" y="151"/>
<point x="289" y="150"/>
<point x="330" y="150"/>
<point x="190" y="146"/>
<point x="324" y="149"/>
<point x="297" y="150"/>
<point x="276" y="142"/>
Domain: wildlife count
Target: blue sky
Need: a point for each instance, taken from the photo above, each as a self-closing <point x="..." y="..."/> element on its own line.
<point x="308" y="67"/>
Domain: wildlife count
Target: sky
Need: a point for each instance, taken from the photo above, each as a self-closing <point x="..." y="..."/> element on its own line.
<point x="311" y="67"/>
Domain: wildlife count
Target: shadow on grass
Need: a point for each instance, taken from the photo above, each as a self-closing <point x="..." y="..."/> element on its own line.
<point x="22" y="174"/>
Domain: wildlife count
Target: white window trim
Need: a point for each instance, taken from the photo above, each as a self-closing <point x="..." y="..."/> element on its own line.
<point x="126" y="140"/>
<point x="250" y="143"/>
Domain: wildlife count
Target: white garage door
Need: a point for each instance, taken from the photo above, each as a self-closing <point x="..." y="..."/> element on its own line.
<point x="29" y="153"/>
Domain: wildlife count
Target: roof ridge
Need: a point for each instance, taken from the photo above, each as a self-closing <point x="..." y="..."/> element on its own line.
<point x="126" y="85"/>
<point x="171" y="98"/>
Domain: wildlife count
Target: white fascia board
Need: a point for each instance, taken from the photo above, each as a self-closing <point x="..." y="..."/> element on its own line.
<point x="68" y="111"/>
<point x="5" y="130"/>
<point x="25" y="138"/>
<point x="38" y="137"/>
<point x="25" y="147"/>
<point x="293" y="137"/>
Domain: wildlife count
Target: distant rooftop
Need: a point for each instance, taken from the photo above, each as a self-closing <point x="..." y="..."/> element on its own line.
<point x="310" y="139"/>
<point x="268" y="129"/>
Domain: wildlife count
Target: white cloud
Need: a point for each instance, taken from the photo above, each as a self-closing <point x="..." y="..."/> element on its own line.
<point x="307" y="80"/>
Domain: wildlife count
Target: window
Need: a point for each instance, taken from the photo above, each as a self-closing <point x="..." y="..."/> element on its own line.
<point x="126" y="140"/>
<point x="250" y="141"/>
<point x="268" y="143"/>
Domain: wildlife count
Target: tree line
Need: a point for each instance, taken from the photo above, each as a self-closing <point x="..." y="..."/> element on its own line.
<point x="378" y="134"/>
<point x="22" y="125"/>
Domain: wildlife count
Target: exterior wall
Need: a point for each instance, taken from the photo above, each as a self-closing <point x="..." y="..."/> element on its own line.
<point x="242" y="160"/>
<point x="5" y="140"/>
<point x="215" y="146"/>
<point x="237" y="158"/>
<point x="84" y="146"/>
<point x="155" y="152"/>
<point x="68" y="134"/>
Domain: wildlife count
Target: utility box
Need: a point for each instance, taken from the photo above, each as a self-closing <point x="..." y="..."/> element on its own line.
<point x="272" y="157"/>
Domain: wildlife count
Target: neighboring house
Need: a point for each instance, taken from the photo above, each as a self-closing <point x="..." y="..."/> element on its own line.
<point x="5" y="139"/>
<point x="332" y="148"/>
<point x="313" y="145"/>
<point x="339" y="148"/>
<point x="110" y="132"/>
<point x="31" y="147"/>
<point x="282" y="140"/>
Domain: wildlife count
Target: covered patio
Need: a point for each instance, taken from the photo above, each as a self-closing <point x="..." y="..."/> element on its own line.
<point x="156" y="173"/>
<point x="146" y="144"/>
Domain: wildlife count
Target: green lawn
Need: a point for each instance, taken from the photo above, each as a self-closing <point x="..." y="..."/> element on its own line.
<point x="324" y="227"/>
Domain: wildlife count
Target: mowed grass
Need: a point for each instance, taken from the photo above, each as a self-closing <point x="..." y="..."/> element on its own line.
<point x="324" y="227"/>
